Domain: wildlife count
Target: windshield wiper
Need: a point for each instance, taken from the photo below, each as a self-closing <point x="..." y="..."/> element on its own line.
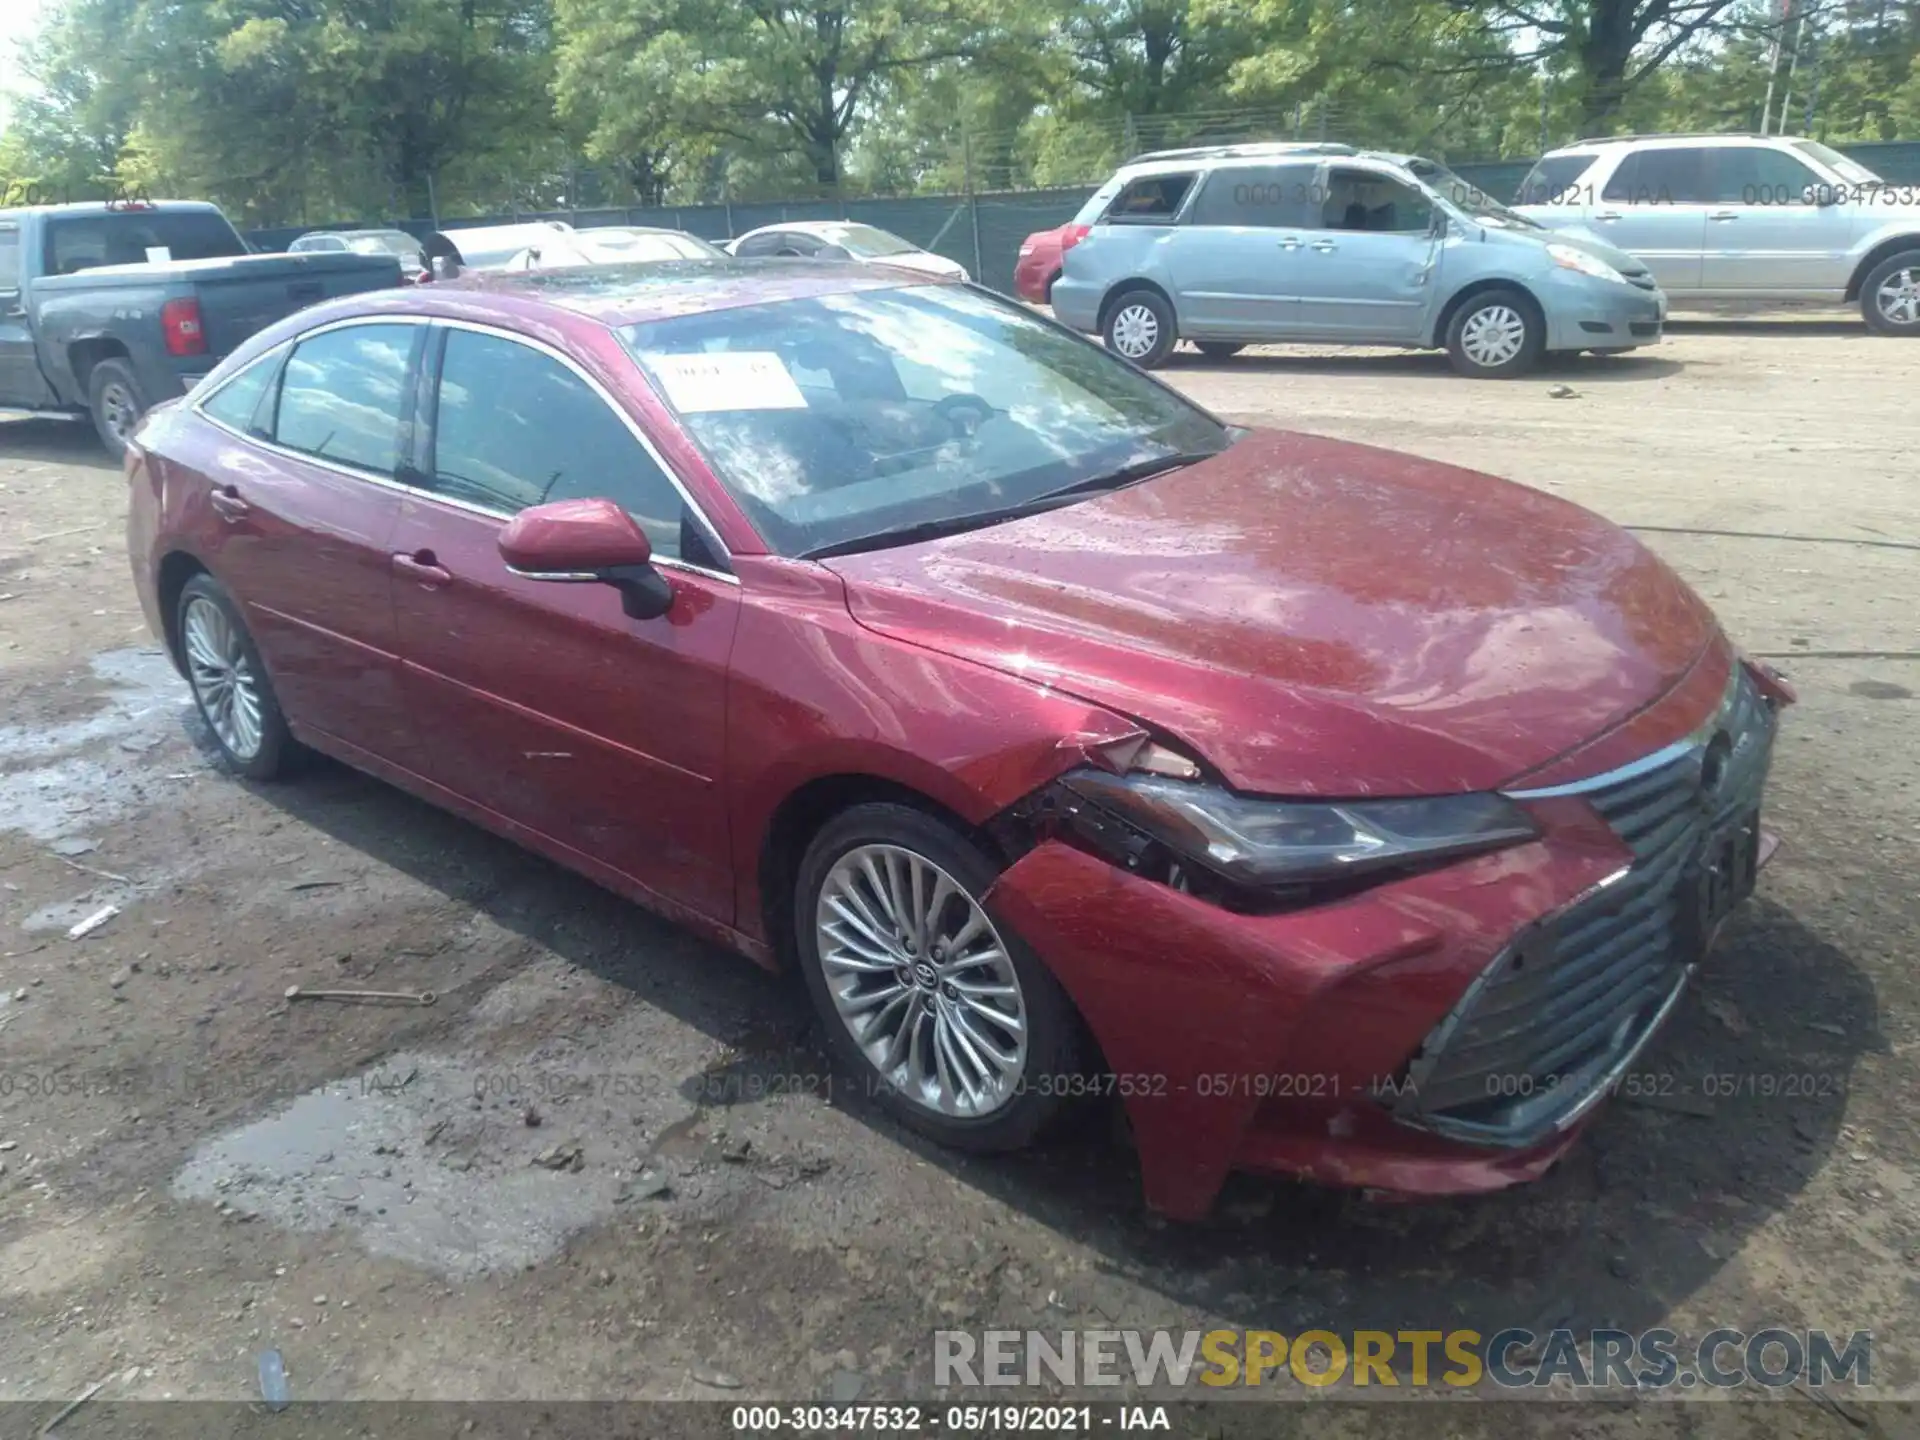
<point x="1047" y="500"/>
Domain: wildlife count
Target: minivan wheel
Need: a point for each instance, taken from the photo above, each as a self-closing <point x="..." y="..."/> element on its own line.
<point x="1140" y="327"/>
<point x="1890" y="295"/>
<point x="1218" y="349"/>
<point x="1496" y="335"/>
<point x="115" y="401"/>
<point x="229" y="684"/>
<point x="943" y="1013"/>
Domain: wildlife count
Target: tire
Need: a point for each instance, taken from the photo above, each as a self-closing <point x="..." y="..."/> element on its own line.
<point x="1027" y="1093"/>
<point x="1140" y="328"/>
<point x="1890" y="295"/>
<point x="251" y="740"/>
<point x="115" y="401"/>
<point x="1219" y="349"/>
<point x="1496" y="335"/>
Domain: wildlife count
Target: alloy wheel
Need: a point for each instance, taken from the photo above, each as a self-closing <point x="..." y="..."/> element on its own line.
<point x="1136" y="330"/>
<point x="1898" y="297"/>
<point x="1493" y="336"/>
<point x="222" y="678"/>
<point x="922" y="981"/>
<point x="117" y="411"/>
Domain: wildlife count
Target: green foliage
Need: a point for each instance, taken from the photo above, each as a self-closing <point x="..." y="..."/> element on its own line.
<point x="312" y="111"/>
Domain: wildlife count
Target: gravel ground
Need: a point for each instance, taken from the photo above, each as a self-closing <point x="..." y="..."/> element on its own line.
<point x="606" y="1164"/>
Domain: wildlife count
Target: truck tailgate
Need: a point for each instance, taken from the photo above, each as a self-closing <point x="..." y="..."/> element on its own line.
<point x="248" y="294"/>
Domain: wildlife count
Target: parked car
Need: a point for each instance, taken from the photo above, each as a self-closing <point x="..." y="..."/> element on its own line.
<point x="842" y="240"/>
<point x="108" y="308"/>
<point x="1326" y="244"/>
<point x="614" y="245"/>
<point x="1042" y="254"/>
<point x="412" y="253"/>
<point x="488" y="247"/>
<point x="1755" y="220"/>
<point x="881" y="627"/>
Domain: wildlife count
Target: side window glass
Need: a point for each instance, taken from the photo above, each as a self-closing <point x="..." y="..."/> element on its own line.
<point x="1368" y="200"/>
<point x="1149" y="200"/>
<point x="9" y="257"/>
<point x="344" y="394"/>
<point x="237" y="403"/>
<point x="1666" y="177"/>
<point x="1268" y="196"/>
<point x="515" y="427"/>
<point x="1755" y="175"/>
<point x="758" y="245"/>
<point x="1625" y="176"/>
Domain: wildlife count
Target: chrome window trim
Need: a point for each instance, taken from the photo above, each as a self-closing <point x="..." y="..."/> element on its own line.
<point x="387" y="482"/>
<point x="1700" y="735"/>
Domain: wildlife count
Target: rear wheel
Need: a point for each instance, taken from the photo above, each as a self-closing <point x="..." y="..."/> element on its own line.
<point x="229" y="683"/>
<point x="1140" y="327"/>
<point x="1890" y="295"/>
<point x="942" y="1010"/>
<point x="1496" y="335"/>
<point x="115" y="400"/>
<point x="1219" y="349"/>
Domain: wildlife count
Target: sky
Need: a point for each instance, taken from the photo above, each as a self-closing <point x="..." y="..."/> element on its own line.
<point x="17" y="21"/>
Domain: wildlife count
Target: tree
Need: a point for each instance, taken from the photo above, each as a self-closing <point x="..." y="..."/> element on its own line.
<point x="786" y="74"/>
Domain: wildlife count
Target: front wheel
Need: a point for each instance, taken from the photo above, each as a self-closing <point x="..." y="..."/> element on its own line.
<point x="115" y="401"/>
<point x="1140" y="327"/>
<point x="944" y="1013"/>
<point x="1496" y="335"/>
<point x="1890" y="295"/>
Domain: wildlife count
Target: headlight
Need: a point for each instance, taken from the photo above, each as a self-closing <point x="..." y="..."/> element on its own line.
<point x="1260" y="844"/>
<point x="1568" y="258"/>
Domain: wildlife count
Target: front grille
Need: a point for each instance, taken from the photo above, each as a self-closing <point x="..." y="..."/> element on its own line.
<point x="1562" y="1007"/>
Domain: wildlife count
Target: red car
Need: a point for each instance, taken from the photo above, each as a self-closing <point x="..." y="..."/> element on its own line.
<point x="1340" y="813"/>
<point x="1041" y="255"/>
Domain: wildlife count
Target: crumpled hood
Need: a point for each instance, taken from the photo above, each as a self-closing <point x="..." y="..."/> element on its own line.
<point x="1313" y="617"/>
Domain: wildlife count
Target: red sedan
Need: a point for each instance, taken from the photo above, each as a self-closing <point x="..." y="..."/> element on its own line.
<point x="1340" y="813"/>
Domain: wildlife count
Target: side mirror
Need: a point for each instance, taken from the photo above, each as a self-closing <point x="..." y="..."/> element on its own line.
<point x="587" y="542"/>
<point x="1438" y="225"/>
<point x="1821" y="195"/>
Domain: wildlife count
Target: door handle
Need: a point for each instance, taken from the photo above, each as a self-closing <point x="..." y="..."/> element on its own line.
<point x="1606" y="215"/>
<point x="1291" y="242"/>
<point x="1723" y="215"/>
<point x="229" y="506"/>
<point x="1325" y="247"/>
<point x="422" y="566"/>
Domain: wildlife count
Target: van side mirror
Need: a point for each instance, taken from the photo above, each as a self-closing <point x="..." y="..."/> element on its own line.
<point x="587" y="542"/>
<point x="1438" y="225"/>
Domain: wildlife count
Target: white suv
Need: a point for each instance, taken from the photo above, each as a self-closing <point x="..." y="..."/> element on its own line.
<point x="1745" y="218"/>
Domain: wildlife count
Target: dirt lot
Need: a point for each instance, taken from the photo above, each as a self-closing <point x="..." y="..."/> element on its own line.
<point x="191" y="1169"/>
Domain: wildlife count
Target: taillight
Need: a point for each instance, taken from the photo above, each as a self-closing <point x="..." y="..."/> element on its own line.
<point x="180" y="324"/>
<point x="1072" y="235"/>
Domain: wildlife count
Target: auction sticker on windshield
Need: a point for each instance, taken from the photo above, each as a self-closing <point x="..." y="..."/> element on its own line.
<point x="726" y="380"/>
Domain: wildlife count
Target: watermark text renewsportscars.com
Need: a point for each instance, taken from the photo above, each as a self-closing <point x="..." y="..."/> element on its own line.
<point x="1510" y="1359"/>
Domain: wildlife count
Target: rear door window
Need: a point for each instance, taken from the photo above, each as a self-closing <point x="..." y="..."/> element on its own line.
<point x="1150" y="200"/>
<point x="1555" y="181"/>
<point x="345" y="393"/>
<point x="1668" y="176"/>
<point x="1265" y="196"/>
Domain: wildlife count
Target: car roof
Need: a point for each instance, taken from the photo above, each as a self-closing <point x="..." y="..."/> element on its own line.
<point x="628" y="293"/>
<point x="119" y="207"/>
<point x="1599" y="144"/>
<point x="821" y="228"/>
<point x="351" y="234"/>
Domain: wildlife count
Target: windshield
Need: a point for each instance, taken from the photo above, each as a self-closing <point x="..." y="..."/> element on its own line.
<point x="1467" y="198"/>
<point x="845" y="418"/>
<point x="1847" y="168"/>
<point x="867" y="240"/>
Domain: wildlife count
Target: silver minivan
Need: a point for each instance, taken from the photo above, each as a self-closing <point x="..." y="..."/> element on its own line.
<point x="1325" y="244"/>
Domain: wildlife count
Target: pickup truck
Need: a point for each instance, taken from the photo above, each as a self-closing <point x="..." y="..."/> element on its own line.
<point x="109" y="308"/>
